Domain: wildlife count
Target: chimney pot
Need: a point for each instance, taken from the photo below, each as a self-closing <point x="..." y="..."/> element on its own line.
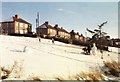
<point x="56" y="25"/>
<point x="72" y="30"/>
<point x="16" y="16"/>
<point x="78" y="33"/>
<point x="46" y="22"/>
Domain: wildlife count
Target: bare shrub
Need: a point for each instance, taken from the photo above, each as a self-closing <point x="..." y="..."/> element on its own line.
<point x="93" y="76"/>
<point x="73" y="77"/>
<point x="59" y="78"/>
<point x="114" y="68"/>
<point x="4" y="72"/>
<point x="36" y="78"/>
<point x="12" y="72"/>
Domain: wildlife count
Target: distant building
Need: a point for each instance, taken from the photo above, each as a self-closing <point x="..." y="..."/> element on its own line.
<point x="76" y="36"/>
<point x="16" y="25"/>
<point x="62" y="33"/>
<point x="115" y="42"/>
<point x="82" y="38"/>
<point x="72" y="35"/>
<point x="46" y="30"/>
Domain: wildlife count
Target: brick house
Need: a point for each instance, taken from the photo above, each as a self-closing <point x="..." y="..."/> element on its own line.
<point x="46" y="30"/>
<point x="74" y="36"/>
<point x="82" y="38"/>
<point x="77" y="36"/>
<point x="16" y="25"/>
<point x="62" y="33"/>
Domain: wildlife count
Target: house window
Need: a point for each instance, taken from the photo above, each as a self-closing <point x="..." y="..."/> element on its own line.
<point x="62" y="33"/>
<point x="59" y="33"/>
<point x="21" y="24"/>
<point x="25" y="31"/>
<point x="21" y="31"/>
<point x="0" y="25"/>
<point x="51" y="30"/>
<point x="26" y="26"/>
<point x="76" y="36"/>
<point x="65" y="34"/>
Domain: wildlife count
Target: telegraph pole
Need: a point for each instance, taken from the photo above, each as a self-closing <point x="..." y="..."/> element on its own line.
<point x="38" y="17"/>
<point x="37" y="20"/>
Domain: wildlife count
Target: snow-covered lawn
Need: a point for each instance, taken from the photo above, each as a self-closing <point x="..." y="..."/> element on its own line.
<point x="48" y="60"/>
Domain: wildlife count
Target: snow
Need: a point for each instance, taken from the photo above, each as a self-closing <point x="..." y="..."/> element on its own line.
<point x="113" y="49"/>
<point x="48" y="60"/>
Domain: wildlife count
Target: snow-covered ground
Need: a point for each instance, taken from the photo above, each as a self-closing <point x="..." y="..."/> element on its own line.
<point x="113" y="49"/>
<point x="48" y="60"/>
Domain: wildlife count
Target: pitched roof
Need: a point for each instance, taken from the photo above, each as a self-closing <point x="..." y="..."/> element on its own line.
<point x="44" y="25"/>
<point x="60" y="29"/>
<point x="12" y="19"/>
<point x="72" y="32"/>
<point x="49" y="26"/>
<point x="20" y="20"/>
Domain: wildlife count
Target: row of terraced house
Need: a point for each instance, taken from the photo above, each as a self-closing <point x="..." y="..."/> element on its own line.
<point x="17" y="25"/>
<point x="47" y="30"/>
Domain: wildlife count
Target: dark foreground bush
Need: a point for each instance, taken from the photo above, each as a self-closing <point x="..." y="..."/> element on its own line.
<point x="114" y="68"/>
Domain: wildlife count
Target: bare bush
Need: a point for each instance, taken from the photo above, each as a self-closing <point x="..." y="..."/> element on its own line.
<point x="5" y="72"/>
<point x="12" y="72"/>
<point x="114" y="68"/>
<point x="36" y="78"/>
<point x="93" y="76"/>
<point x="59" y="78"/>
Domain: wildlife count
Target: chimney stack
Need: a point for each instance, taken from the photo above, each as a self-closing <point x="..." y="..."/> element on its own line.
<point x="56" y="25"/>
<point x="46" y="22"/>
<point x="72" y="31"/>
<point x="77" y="33"/>
<point x="81" y="34"/>
<point x="16" y="16"/>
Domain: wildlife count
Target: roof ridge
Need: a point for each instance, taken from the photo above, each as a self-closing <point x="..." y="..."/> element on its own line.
<point x="21" y="20"/>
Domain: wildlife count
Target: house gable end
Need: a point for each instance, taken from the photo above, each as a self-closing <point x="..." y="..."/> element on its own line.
<point x="42" y="26"/>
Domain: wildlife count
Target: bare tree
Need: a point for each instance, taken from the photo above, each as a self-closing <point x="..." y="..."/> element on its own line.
<point x="98" y="36"/>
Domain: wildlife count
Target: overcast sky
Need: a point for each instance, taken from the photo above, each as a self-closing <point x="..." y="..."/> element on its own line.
<point x="69" y="15"/>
